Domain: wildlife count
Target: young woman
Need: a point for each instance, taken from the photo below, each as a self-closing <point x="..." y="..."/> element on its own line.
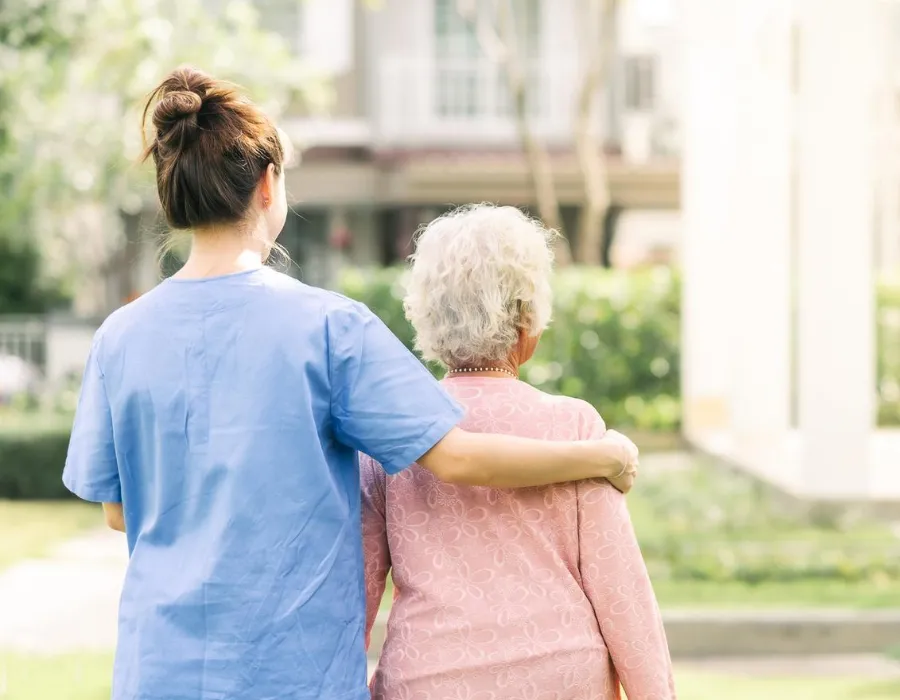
<point x="219" y="422"/>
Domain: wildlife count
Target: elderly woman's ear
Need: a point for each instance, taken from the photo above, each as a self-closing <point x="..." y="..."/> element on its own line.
<point x="528" y="343"/>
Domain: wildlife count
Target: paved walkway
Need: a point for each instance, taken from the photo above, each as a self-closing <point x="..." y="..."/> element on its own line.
<point x="66" y="602"/>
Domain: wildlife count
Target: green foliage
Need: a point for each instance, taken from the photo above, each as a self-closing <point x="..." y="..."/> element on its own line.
<point x="32" y="33"/>
<point x="22" y="288"/>
<point x="613" y="340"/>
<point x="711" y="525"/>
<point x="32" y="455"/>
<point x="73" y="78"/>
<point x="888" y="343"/>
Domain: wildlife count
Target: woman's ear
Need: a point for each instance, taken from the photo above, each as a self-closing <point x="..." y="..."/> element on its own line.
<point x="527" y="344"/>
<point x="267" y="186"/>
<point x="524" y="334"/>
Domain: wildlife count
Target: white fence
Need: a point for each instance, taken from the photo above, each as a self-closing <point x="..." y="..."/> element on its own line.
<point x="425" y="103"/>
<point x="24" y="337"/>
<point x="52" y="347"/>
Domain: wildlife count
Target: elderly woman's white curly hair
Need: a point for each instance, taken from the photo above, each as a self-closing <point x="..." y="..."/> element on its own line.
<point x="479" y="274"/>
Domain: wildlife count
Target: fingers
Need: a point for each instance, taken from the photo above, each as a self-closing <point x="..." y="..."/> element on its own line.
<point x="630" y="451"/>
<point x="629" y="459"/>
<point x="623" y="483"/>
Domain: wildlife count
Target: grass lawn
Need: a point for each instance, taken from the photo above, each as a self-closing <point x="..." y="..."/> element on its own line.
<point x="30" y="529"/>
<point x="87" y="677"/>
<point x="715" y="538"/>
<point x="734" y="595"/>
<point x="773" y="595"/>
<point x="75" y="677"/>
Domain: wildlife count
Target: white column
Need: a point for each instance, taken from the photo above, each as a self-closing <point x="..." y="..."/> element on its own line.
<point x="840" y="67"/>
<point x="760" y="242"/>
<point x="328" y="34"/>
<point x="709" y="130"/>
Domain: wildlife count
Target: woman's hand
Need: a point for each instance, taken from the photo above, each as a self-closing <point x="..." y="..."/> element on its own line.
<point x="625" y="454"/>
<point x="115" y="516"/>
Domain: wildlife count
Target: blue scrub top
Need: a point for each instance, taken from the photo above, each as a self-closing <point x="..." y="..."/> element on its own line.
<point x="225" y="414"/>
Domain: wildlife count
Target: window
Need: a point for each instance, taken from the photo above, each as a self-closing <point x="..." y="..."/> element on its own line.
<point x="469" y="83"/>
<point x="528" y="46"/>
<point x="457" y="65"/>
<point x="640" y="83"/>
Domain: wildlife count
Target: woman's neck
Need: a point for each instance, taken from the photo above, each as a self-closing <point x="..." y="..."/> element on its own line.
<point x="493" y="368"/>
<point x="221" y="252"/>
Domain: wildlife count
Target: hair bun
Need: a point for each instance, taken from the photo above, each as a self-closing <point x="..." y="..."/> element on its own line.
<point x="210" y="146"/>
<point x="177" y="110"/>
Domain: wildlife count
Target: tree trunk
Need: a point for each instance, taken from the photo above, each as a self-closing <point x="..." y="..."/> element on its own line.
<point x="594" y="181"/>
<point x="599" y="16"/>
<point x="540" y="170"/>
<point x="610" y="222"/>
<point x="540" y="167"/>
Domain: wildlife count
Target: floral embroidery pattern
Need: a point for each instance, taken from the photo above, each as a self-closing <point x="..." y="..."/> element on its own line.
<point x="533" y="594"/>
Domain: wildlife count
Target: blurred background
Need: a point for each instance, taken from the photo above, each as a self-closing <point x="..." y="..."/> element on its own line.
<point x="727" y="177"/>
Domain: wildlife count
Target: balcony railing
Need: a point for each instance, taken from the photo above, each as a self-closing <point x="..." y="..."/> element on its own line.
<point x="24" y="337"/>
<point x="434" y="103"/>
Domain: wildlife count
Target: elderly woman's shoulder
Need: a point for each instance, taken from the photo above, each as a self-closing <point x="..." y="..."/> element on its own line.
<point x="577" y="411"/>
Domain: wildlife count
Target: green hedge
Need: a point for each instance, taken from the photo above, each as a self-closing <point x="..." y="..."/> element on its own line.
<point x="709" y="524"/>
<point x="613" y="340"/>
<point x="717" y="525"/>
<point x="888" y="347"/>
<point x="32" y="453"/>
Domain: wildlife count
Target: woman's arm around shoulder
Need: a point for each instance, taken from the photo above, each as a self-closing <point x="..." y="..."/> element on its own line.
<point x="385" y="404"/>
<point x="593" y="427"/>
<point x="505" y="461"/>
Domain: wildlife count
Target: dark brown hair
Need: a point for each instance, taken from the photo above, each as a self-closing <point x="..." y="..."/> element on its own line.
<point x="211" y="146"/>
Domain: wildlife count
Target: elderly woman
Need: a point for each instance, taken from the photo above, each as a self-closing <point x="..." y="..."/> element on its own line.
<point x="535" y="593"/>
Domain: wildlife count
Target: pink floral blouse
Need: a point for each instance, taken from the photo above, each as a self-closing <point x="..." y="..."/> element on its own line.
<point x="532" y="594"/>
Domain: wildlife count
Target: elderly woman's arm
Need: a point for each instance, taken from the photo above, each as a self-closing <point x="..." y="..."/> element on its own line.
<point x="616" y="582"/>
<point x="377" y="555"/>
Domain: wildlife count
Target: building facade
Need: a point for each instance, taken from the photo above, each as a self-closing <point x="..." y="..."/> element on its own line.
<point x="422" y="118"/>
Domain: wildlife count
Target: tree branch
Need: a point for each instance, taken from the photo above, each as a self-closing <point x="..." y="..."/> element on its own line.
<point x="488" y="37"/>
